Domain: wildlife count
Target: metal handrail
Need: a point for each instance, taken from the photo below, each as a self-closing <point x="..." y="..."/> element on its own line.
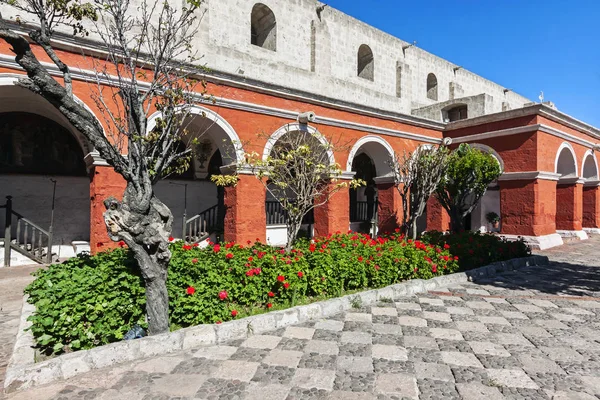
<point x="276" y="215"/>
<point x="201" y="224"/>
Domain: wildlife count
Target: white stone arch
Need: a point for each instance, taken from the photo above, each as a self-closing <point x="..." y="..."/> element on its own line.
<point x="372" y="146"/>
<point x="589" y="166"/>
<point x="36" y="104"/>
<point x="203" y="112"/>
<point x="566" y="161"/>
<point x="491" y="151"/>
<point x="296" y="127"/>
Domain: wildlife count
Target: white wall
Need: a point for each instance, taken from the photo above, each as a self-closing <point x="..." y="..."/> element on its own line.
<point x="201" y="194"/>
<point x="490" y="202"/>
<point x="32" y="197"/>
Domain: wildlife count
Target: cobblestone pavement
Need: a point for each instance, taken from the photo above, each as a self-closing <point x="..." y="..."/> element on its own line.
<point x="530" y="334"/>
<point x="12" y="282"/>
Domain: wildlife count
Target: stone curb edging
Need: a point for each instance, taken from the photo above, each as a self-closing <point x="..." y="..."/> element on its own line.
<point x="23" y="373"/>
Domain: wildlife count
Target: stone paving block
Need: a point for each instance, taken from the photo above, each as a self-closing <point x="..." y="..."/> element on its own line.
<point x="408" y="306"/>
<point x="355" y="364"/>
<point x="356" y="337"/>
<point x="447" y="334"/>
<point x="183" y="385"/>
<point x="479" y="305"/>
<point x="461" y="359"/>
<point x="433" y="302"/>
<point x="262" y="342"/>
<point x="513" y="314"/>
<point x="398" y="385"/>
<point x="562" y="354"/>
<point x="216" y="352"/>
<point x="568" y="395"/>
<point x="512" y="378"/>
<point x="550" y="324"/>
<point x="388" y="352"/>
<point x="470" y="326"/>
<point x="298" y="332"/>
<point x="384" y="311"/>
<point x="529" y="308"/>
<point x="589" y="304"/>
<point x="494" y="320"/>
<point x="313" y="378"/>
<point x="478" y="292"/>
<point x="542" y="303"/>
<point x="285" y="358"/>
<point x="236" y="370"/>
<point x="421" y="342"/>
<point x="163" y="365"/>
<point x="511" y="338"/>
<point x="435" y="371"/>
<point x="346" y="395"/>
<point x="322" y="347"/>
<point x="330" y="325"/>
<point x="489" y="348"/>
<point x="539" y="365"/>
<point x="535" y="331"/>
<point x="478" y="391"/>
<point x="577" y="311"/>
<point x="412" y="321"/>
<point x="495" y="300"/>
<point x="460" y="310"/>
<point x="358" y="317"/>
<point x="388" y="329"/>
<point x="437" y="316"/>
<point x="592" y="383"/>
<point x="257" y="391"/>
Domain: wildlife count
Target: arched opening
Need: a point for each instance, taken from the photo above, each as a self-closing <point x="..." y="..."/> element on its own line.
<point x="42" y="167"/>
<point x="365" y="63"/>
<point x="195" y="201"/>
<point x="369" y="159"/>
<point x="455" y="113"/>
<point x="432" y="87"/>
<point x="569" y="193"/>
<point x="277" y="147"/>
<point x="591" y="193"/>
<point x="263" y="27"/>
<point x="489" y="204"/>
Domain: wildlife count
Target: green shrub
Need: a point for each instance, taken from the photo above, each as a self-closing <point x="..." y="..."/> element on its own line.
<point x="475" y="249"/>
<point x="88" y="301"/>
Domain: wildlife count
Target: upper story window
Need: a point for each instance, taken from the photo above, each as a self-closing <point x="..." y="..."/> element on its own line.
<point x="432" y="87"/>
<point x="366" y="64"/>
<point x="457" y="113"/>
<point x="263" y="27"/>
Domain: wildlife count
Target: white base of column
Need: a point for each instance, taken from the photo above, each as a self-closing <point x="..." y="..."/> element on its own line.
<point x="581" y="235"/>
<point x="592" y="231"/>
<point x="538" y="242"/>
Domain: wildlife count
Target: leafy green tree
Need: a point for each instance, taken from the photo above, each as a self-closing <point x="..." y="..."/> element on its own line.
<point x="416" y="177"/>
<point x="149" y="64"/>
<point x="467" y="177"/>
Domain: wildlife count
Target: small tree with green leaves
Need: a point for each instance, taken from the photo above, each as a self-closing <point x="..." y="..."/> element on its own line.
<point x="416" y="176"/>
<point x="469" y="173"/>
<point x="298" y="174"/>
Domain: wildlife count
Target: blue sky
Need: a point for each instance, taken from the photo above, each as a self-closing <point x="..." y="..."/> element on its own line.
<point x="525" y="45"/>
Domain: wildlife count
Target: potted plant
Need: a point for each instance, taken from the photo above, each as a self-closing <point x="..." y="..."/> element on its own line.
<point x="493" y="219"/>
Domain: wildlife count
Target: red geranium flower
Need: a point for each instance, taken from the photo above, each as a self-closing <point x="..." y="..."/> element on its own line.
<point x="250" y="258"/>
<point x="229" y="256"/>
<point x="360" y="258"/>
<point x="190" y="290"/>
<point x="171" y="238"/>
<point x="223" y="295"/>
<point x="281" y="278"/>
<point x="286" y="285"/>
<point x="99" y="244"/>
<point x="269" y="305"/>
<point x="195" y="260"/>
<point x="186" y="247"/>
<point x="234" y="313"/>
<point x="218" y="322"/>
<point x="249" y="241"/>
<point x="217" y="248"/>
<point x="446" y="246"/>
<point x="300" y="274"/>
<point x="121" y="244"/>
<point x="229" y="245"/>
<point x="196" y="244"/>
<point x="271" y="294"/>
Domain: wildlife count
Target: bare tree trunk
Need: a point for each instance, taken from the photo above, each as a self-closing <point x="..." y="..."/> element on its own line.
<point x="146" y="231"/>
<point x="456" y="221"/>
<point x="293" y="228"/>
<point x="413" y="229"/>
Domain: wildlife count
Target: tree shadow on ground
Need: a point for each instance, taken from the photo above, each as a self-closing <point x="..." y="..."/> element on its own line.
<point x="558" y="278"/>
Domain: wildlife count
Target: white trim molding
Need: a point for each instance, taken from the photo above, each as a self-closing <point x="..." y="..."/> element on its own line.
<point x="491" y="151"/>
<point x="592" y="231"/>
<point x="567" y="146"/>
<point x="296" y="127"/>
<point x="581" y="235"/>
<point x="93" y="159"/>
<point x="589" y="153"/>
<point x="529" y="175"/>
<point x="591" y="183"/>
<point x="571" y="180"/>
<point x="364" y="140"/>
<point x="382" y="180"/>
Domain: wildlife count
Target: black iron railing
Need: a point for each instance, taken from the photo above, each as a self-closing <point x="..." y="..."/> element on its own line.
<point x="200" y="226"/>
<point x="362" y="211"/>
<point x="276" y="215"/>
<point x="30" y="240"/>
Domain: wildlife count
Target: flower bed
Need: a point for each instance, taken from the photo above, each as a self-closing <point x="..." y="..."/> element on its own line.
<point x="89" y="301"/>
<point x="475" y="249"/>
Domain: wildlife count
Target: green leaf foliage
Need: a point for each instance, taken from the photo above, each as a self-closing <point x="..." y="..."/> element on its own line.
<point x="88" y="301"/>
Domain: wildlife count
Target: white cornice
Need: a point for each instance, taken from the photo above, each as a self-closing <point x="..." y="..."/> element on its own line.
<point x="529" y="175"/>
<point x="382" y="180"/>
<point x="571" y="180"/>
<point x="93" y="159"/>
<point x="525" y="129"/>
<point x="592" y="183"/>
<point x="90" y="76"/>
